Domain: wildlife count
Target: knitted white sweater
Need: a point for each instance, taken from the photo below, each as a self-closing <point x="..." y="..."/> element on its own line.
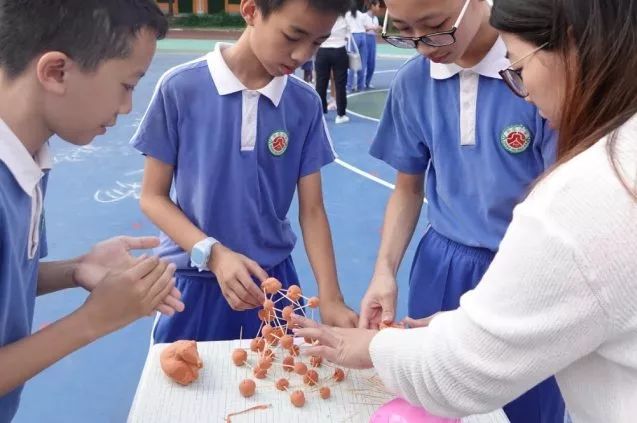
<point x="559" y="298"/>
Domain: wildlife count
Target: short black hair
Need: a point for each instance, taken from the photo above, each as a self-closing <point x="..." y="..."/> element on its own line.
<point x="335" y="6"/>
<point x="88" y="31"/>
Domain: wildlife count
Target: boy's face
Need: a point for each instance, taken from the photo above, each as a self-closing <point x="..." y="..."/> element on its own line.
<point x="289" y="36"/>
<point x="415" y="18"/>
<point x="87" y="103"/>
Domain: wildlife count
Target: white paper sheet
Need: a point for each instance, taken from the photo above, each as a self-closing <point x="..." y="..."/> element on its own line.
<point x="216" y="394"/>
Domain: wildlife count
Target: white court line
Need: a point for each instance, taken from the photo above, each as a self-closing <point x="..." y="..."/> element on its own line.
<point x="367" y="175"/>
<point x="386" y="71"/>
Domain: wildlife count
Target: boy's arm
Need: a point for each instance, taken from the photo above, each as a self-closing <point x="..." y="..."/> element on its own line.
<point x="233" y="271"/>
<point x="401" y="216"/>
<point x="115" y="302"/>
<point x="107" y="257"/>
<point x="56" y="275"/>
<point x="320" y="251"/>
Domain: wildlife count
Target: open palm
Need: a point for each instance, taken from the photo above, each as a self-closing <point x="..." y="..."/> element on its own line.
<point x="113" y="256"/>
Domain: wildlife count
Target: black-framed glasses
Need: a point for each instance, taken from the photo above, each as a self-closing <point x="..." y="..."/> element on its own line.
<point x="435" y="39"/>
<point x="513" y="77"/>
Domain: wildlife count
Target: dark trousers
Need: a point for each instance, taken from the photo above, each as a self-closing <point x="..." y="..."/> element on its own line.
<point x="332" y="60"/>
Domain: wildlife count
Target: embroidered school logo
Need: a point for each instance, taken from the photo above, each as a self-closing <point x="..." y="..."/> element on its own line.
<point x="278" y="143"/>
<point x="515" y="139"/>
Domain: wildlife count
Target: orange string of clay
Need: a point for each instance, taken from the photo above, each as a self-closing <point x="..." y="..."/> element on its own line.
<point x="256" y="407"/>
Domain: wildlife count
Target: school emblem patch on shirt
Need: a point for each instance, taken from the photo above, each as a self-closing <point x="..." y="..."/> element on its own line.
<point x="516" y="139"/>
<point x="278" y="143"/>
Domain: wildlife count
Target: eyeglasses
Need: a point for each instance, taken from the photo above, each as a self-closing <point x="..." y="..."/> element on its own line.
<point x="513" y="77"/>
<point x="435" y="39"/>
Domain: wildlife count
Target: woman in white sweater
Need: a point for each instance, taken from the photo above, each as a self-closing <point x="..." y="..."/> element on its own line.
<point x="561" y="295"/>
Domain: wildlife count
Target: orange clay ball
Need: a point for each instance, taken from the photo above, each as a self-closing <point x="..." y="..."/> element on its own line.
<point x="287" y="312"/>
<point x="259" y="373"/>
<point x="239" y="357"/>
<point x="294" y="292"/>
<point x="287" y="341"/>
<point x="295" y="350"/>
<point x="268" y="305"/>
<point x="297" y="398"/>
<point x="300" y="368"/>
<point x="257" y="344"/>
<point x="313" y="302"/>
<point x="267" y="330"/>
<point x="247" y="387"/>
<point x="282" y="384"/>
<point x="288" y="363"/>
<point x="339" y="375"/>
<point x="271" y="285"/>
<point x="265" y="315"/>
<point x="269" y="354"/>
<point x="325" y="392"/>
<point x="308" y="340"/>
<point x="265" y="363"/>
<point x="280" y="332"/>
<point x="311" y="378"/>
<point x="316" y="361"/>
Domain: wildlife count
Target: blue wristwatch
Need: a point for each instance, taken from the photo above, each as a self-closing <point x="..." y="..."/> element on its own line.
<point x="200" y="254"/>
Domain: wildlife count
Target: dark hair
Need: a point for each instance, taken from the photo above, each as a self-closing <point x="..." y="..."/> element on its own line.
<point x="88" y="31"/>
<point x="601" y="82"/>
<point x="328" y="6"/>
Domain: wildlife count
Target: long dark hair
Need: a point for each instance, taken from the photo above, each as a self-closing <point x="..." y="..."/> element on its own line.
<point x="601" y="77"/>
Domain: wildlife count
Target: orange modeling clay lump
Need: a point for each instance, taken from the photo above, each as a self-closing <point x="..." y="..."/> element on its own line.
<point x="180" y="361"/>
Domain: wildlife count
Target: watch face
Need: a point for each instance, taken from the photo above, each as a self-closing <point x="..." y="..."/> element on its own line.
<point x="196" y="256"/>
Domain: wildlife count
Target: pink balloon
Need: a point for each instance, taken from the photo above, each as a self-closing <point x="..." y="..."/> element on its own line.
<point x="400" y="411"/>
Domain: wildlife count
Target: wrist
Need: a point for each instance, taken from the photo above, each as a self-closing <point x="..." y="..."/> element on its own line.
<point x="385" y="268"/>
<point x="88" y="327"/>
<point x="74" y="270"/>
<point x="201" y="254"/>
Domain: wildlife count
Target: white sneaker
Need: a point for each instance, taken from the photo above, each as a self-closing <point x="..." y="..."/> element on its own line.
<point x="331" y="105"/>
<point x="341" y="119"/>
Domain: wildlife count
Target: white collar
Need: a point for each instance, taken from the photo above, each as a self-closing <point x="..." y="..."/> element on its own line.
<point x="26" y="170"/>
<point x="489" y="66"/>
<point x="227" y="83"/>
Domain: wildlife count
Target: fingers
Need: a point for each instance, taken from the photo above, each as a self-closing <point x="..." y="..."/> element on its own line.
<point x="241" y="299"/>
<point x="157" y="281"/>
<point x="388" y="306"/>
<point x="419" y="323"/>
<point x="142" y="268"/>
<point x="365" y="317"/>
<point x="304" y="322"/>
<point x="173" y="302"/>
<point x="140" y="243"/>
<point x="322" y="351"/>
<point x="253" y="295"/>
<point x="233" y="300"/>
<point x="325" y="335"/>
<point x="162" y="294"/>
<point x="256" y="270"/>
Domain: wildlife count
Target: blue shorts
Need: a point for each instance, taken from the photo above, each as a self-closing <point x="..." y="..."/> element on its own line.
<point x="442" y="271"/>
<point x="207" y="316"/>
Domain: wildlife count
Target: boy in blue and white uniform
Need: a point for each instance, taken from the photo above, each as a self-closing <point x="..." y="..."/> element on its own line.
<point x="45" y="72"/>
<point x="452" y="124"/>
<point x="233" y="135"/>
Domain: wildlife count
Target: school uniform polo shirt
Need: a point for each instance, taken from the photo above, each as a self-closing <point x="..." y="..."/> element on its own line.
<point x="480" y="146"/>
<point x="22" y="243"/>
<point x="237" y="154"/>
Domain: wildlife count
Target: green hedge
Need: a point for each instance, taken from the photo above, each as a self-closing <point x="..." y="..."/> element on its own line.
<point x="217" y="20"/>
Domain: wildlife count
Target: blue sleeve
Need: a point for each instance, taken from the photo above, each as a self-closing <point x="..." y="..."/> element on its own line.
<point x="548" y="143"/>
<point x="158" y="135"/>
<point x="399" y="141"/>
<point x="317" y="149"/>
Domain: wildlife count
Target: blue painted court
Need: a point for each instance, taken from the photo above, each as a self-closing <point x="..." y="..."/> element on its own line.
<point x="93" y="195"/>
